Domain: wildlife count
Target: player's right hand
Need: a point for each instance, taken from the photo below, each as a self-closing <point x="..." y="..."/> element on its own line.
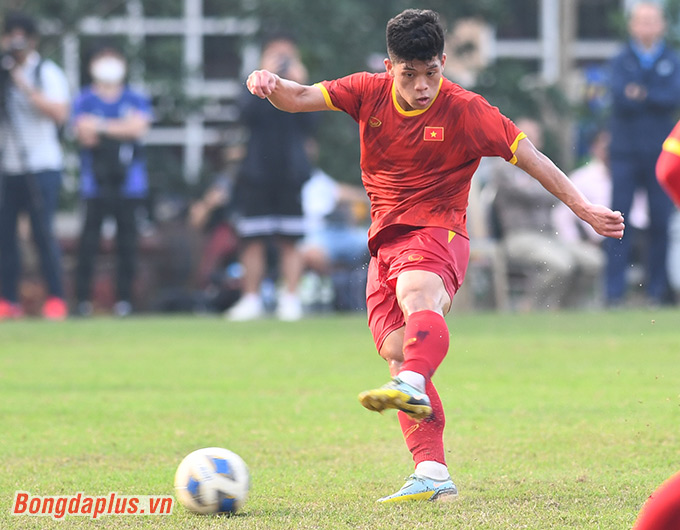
<point x="262" y="83"/>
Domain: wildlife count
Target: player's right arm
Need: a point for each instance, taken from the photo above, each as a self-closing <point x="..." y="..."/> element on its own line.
<point x="285" y="94"/>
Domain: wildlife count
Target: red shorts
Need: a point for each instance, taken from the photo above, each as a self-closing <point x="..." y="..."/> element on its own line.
<point x="431" y="249"/>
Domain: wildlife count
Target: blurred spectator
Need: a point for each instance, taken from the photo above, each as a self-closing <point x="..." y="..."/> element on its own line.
<point x="218" y="276"/>
<point x="336" y="243"/>
<point x="645" y="88"/>
<point x="594" y="180"/>
<point x="560" y="273"/>
<point x="269" y="188"/>
<point x="34" y="102"/>
<point x="110" y="119"/>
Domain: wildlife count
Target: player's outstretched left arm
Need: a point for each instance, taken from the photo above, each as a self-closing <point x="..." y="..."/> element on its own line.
<point x="285" y="94"/>
<point x="603" y="220"/>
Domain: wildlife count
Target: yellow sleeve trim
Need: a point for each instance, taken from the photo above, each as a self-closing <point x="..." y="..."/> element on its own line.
<point x="513" y="147"/>
<point x="672" y="145"/>
<point x="326" y="97"/>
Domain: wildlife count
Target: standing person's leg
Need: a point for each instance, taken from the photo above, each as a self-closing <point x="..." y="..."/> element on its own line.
<point x="411" y="334"/>
<point x="43" y="202"/>
<point x="253" y="263"/>
<point x="88" y="248"/>
<point x="289" y="306"/>
<point x="624" y="183"/>
<point x="126" y="246"/>
<point x="12" y="200"/>
<point x="290" y="226"/>
<point x="660" y="211"/>
<point x="255" y="224"/>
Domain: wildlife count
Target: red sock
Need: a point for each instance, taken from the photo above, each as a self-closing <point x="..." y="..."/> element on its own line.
<point x="425" y="440"/>
<point x="426" y="341"/>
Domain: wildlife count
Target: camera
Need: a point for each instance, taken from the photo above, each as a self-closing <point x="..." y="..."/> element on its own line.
<point x="7" y="63"/>
<point x="283" y="66"/>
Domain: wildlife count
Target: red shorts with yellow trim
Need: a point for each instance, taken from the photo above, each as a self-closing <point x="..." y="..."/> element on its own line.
<point x="431" y="249"/>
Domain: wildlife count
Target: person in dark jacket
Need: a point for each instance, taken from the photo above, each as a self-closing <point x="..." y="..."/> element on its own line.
<point x="268" y="192"/>
<point x="645" y="89"/>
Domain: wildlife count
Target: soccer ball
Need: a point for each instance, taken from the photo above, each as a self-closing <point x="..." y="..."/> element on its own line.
<point x="212" y="480"/>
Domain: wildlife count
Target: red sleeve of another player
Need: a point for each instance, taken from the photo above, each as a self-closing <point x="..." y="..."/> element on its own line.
<point x="345" y="93"/>
<point x="668" y="165"/>
<point x="489" y="133"/>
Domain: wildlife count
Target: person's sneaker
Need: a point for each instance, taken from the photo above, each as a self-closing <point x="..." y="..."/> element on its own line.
<point x="10" y="310"/>
<point x="55" y="308"/>
<point x="122" y="308"/>
<point x="289" y="307"/>
<point x="249" y="307"/>
<point x="397" y="395"/>
<point x="424" y="489"/>
<point x="84" y="309"/>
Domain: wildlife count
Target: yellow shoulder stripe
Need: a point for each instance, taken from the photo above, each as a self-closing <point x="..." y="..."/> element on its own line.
<point x="326" y="96"/>
<point x="513" y="147"/>
<point x="672" y="145"/>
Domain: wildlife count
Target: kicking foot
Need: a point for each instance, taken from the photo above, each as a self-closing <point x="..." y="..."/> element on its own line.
<point x="397" y="395"/>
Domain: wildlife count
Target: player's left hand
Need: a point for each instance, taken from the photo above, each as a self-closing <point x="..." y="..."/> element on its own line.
<point x="604" y="221"/>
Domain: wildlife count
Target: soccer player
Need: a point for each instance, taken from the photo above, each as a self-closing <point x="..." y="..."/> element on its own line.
<point x="422" y="138"/>
<point x="668" y="165"/>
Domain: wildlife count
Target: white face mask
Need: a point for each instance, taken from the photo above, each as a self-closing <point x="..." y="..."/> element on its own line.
<point x="108" y="70"/>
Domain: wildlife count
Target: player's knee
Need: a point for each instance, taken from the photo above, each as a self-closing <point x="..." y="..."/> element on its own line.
<point x="392" y="350"/>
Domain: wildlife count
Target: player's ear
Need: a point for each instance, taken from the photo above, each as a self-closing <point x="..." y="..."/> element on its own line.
<point x="389" y="66"/>
<point x="443" y="60"/>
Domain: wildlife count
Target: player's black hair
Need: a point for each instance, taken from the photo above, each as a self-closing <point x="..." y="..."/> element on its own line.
<point x="16" y="20"/>
<point x="415" y="35"/>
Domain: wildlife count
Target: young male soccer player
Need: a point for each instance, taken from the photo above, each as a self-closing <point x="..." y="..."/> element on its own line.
<point x="422" y="138"/>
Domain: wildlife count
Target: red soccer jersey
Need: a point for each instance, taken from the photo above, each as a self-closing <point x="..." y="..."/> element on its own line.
<point x="668" y="165"/>
<point x="416" y="165"/>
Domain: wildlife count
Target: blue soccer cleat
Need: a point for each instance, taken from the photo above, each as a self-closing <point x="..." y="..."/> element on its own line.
<point x="424" y="489"/>
<point x="397" y="395"/>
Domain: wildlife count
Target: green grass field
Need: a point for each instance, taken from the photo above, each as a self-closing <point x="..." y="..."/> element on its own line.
<point x="554" y="420"/>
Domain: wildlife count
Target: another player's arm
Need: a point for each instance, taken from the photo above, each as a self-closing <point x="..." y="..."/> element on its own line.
<point x="285" y="94"/>
<point x="603" y="220"/>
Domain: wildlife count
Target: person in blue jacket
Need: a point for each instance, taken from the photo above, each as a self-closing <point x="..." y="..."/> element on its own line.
<point x="110" y="119"/>
<point x="645" y="90"/>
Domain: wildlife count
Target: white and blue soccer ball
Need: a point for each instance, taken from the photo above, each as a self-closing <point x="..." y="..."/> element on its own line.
<point x="212" y="480"/>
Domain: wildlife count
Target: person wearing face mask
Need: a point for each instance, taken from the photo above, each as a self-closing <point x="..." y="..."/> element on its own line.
<point x="110" y="120"/>
<point x="34" y="101"/>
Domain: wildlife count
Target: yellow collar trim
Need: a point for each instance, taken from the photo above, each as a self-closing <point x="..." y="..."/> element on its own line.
<point x="415" y="112"/>
<point x="672" y="145"/>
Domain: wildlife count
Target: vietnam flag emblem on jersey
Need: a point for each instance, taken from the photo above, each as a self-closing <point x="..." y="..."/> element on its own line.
<point x="433" y="134"/>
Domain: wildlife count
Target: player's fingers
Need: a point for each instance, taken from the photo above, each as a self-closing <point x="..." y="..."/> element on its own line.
<point x="255" y="84"/>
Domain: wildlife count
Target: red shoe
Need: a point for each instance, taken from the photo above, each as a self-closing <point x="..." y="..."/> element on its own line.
<point x="55" y="309"/>
<point x="9" y="310"/>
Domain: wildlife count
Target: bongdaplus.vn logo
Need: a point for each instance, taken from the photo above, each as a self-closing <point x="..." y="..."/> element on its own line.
<point x="94" y="506"/>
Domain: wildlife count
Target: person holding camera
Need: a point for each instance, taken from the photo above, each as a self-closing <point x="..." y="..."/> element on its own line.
<point x="34" y="102"/>
<point x="268" y="194"/>
<point x="110" y="119"/>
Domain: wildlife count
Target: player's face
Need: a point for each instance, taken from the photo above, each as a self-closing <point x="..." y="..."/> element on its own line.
<point x="417" y="82"/>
